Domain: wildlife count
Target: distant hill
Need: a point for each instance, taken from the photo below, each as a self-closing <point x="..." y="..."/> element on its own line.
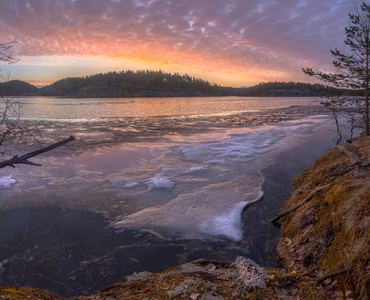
<point x="135" y="84"/>
<point x="154" y="84"/>
<point x="281" y="89"/>
<point x="18" y="88"/>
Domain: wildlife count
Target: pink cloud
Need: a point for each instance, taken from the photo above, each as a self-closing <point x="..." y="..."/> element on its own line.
<point x="250" y="38"/>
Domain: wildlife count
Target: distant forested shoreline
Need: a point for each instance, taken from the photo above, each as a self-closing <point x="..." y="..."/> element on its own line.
<point x="153" y="84"/>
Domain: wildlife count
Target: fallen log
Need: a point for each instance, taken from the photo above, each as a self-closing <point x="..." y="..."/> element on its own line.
<point x="338" y="173"/>
<point x="24" y="158"/>
<point x="308" y="198"/>
<point x="335" y="273"/>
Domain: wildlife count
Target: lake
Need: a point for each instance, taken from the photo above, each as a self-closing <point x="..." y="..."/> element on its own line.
<point x="153" y="182"/>
<point x="110" y="108"/>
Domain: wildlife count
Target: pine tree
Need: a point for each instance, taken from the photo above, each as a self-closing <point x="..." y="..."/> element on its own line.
<point x="351" y="70"/>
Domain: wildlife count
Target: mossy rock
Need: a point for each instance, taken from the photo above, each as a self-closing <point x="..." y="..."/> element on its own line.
<point x="9" y="293"/>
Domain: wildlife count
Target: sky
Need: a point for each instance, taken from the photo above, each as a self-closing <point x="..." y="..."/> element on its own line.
<point x="230" y="42"/>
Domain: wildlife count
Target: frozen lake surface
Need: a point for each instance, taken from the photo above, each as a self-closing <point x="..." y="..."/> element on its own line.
<point x="186" y="184"/>
<point x="183" y="178"/>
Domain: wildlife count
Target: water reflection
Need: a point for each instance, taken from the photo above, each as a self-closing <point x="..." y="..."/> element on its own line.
<point x="91" y="108"/>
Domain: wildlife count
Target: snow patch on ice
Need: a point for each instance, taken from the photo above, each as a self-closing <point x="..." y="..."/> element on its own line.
<point x="195" y="170"/>
<point x="130" y="184"/>
<point x="160" y="181"/>
<point x="238" y="146"/>
<point x="123" y="182"/>
<point x="6" y="181"/>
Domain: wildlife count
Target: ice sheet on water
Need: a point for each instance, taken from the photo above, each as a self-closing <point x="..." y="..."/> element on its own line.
<point x="194" y="215"/>
<point x="244" y="146"/>
<point x="211" y="177"/>
<point x="304" y="126"/>
<point x="249" y="143"/>
<point x="6" y="181"/>
<point x="227" y="224"/>
<point x="211" y="207"/>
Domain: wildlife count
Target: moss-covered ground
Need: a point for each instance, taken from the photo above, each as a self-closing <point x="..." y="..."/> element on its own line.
<point x="331" y="232"/>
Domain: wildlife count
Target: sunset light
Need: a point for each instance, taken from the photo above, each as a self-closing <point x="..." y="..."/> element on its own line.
<point x="233" y="43"/>
<point x="184" y="149"/>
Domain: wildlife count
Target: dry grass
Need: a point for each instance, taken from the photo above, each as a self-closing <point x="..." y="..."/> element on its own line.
<point x="332" y="231"/>
<point x="8" y="293"/>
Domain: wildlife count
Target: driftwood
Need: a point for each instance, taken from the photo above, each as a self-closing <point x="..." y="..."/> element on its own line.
<point x="335" y="273"/>
<point x="308" y="198"/>
<point x="355" y="160"/>
<point x="353" y="157"/>
<point x="24" y="158"/>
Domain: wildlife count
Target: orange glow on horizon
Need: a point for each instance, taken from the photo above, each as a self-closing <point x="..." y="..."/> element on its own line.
<point x="220" y="71"/>
<point x="232" y="44"/>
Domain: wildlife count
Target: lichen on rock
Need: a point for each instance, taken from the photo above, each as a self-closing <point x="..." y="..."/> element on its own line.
<point x="249" y="273"/>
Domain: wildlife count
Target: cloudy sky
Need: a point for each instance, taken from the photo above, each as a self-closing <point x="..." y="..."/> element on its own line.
<point x="230" y="42"/>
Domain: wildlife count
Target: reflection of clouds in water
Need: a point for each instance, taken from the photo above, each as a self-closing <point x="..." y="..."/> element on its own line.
<point x="115" y="109"/>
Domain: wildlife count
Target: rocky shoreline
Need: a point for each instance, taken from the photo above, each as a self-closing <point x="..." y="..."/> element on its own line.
<point x="323" y="251"/>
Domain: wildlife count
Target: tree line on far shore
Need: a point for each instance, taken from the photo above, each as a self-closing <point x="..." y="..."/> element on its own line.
<point x="153" y="84"/>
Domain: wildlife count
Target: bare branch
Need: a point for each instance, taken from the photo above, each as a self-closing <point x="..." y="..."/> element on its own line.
<point x="24" y="158"/>
<point x="4" y="56"/>
<point x="308" y="198"/>
<point x="336" y="273"/>
<point x="10" y="126"/>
